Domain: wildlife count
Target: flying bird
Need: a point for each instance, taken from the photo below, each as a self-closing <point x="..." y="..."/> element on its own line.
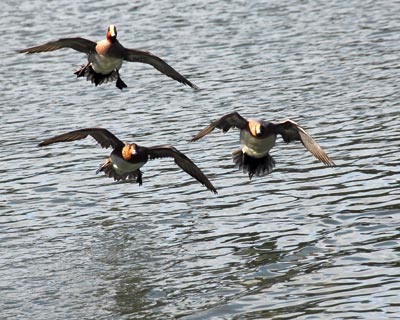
<point x="105" y="58"/>
<point x="126" y="159"/>
<point x="259" y="137"/>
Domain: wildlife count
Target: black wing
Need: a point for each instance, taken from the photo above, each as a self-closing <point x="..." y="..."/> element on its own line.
<point x="228" y="121"/>
<point x="182" y="161"/>
<point x="104" y="137"/>
<point x="78" y="44"/>
<point x="291" y="131"/>
<point x="158" y="63"/>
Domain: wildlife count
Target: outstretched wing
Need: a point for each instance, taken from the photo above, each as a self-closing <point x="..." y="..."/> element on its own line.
<point x="78" y="44"/>
<point x="291" y="131"/>
<point x="104" y="137"/>
<point x="134" y="55"/>
<point x="228" y="121"/>
<point x="182" y="161"/>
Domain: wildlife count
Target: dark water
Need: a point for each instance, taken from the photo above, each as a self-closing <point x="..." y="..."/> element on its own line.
<point x="306" y="242"/>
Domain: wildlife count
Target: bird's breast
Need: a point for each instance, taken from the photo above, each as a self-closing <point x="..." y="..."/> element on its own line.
<point x="122" y="166"/>
<point x="104" y="64"/>
<point x="256" y="147"/>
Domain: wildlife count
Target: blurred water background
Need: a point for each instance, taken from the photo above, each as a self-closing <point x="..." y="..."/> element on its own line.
<point x="305" y="242"/>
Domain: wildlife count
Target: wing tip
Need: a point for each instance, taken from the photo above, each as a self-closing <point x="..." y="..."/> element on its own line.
<point x="327" y="161"/>
<point x="207" y="183"/>
<point x="186" y="82"/>
<point x="201" y="134"/>
<point x="27" y="51"/>
<point x="330" y="164"/>
<point x="192" y="85"/>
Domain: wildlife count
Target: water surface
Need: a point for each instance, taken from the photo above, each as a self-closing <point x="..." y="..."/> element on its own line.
<point x="305" y="242"/>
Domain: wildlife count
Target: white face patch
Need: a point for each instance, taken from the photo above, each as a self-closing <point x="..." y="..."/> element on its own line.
<point x="113" y="30"/>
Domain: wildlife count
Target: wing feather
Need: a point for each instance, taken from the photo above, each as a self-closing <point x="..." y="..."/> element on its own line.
<point x="291" y="131"/>
<point x="226" y="122"/>
<point x="104" y="137"/>
<point x="182" y="161"/>
<point x="134" y="55"/>
<point x="78" y="44"/>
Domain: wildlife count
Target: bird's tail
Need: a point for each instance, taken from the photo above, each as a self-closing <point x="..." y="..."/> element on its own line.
<point x="251" y="165"/>
<point x="97" y="78"/>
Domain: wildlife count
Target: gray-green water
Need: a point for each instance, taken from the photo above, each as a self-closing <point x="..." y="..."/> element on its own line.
<point x="305" y="242"/>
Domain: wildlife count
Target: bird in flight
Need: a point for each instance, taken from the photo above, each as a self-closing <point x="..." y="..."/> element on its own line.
<point x="259" y="137"/>
<point x="105" y="58"/>
<point x="126" y="159"/>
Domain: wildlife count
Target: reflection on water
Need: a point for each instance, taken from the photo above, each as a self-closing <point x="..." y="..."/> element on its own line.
<point x="304" y="242"/>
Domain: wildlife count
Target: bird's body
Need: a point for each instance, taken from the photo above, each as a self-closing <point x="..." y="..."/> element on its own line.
<point x="103" y="64"/>
<point x="126" y="159"/>
<point x="123" y="161"/>
<point x="256" y="147"/>
<point x="105" y="58"/>
<point x="259" y="137"/>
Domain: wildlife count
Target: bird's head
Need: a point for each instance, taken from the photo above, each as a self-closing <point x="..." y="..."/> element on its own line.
<point x="257" y="128"/>
<point x="112" y="33"/>
<point x="128" y="151"/>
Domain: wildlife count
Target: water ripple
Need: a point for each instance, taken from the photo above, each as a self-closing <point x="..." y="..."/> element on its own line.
<point x="306" y="241"/>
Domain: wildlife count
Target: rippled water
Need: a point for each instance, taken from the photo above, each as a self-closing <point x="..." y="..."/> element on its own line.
<point x="305" y="242"/>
